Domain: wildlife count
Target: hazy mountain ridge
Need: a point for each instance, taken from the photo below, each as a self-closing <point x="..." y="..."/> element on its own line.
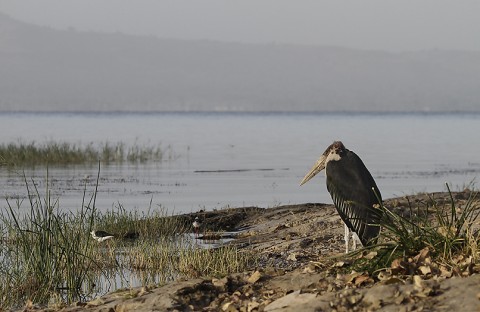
<point x="46" y="70"/>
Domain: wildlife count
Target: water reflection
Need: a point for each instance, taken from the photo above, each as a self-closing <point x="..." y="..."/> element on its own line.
<point x="132" y="272"/>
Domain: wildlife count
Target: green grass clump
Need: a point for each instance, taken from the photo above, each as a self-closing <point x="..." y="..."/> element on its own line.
<point x="445" y="228"/>
<point x="53" y="153"/>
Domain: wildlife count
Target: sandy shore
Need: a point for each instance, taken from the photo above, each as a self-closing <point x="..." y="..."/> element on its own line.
<point x="296" y="271"/>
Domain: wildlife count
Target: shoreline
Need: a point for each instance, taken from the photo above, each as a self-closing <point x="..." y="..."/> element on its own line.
<point x="300" y="248"/>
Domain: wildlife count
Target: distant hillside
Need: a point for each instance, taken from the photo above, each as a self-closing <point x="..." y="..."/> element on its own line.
<point x="44" y="69"/>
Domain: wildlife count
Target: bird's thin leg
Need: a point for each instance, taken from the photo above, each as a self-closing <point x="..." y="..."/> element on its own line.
<point x="354" y="241"/>
<point x="347" y="238"/>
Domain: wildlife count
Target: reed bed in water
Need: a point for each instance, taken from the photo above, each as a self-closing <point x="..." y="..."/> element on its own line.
<point x="127" y="224"/>
<point x="49" y="255"/>
<point x="44" y="252"/>
<point x="62" y="153"/>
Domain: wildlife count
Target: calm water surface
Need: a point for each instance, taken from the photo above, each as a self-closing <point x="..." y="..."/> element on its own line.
<point x="237" y="160"/>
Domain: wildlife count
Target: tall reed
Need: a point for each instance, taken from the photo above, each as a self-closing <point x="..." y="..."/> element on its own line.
<point x="45" y="251"/>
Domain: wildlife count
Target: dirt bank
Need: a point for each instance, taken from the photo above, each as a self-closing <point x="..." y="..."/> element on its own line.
<point x="296" y="271"/>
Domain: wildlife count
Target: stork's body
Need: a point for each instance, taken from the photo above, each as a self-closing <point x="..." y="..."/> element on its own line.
<point x="353" y="190"/>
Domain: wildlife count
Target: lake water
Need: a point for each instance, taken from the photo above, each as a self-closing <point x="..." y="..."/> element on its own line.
<point x="222" y="159"/>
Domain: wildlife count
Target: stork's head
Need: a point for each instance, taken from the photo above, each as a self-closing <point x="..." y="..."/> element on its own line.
<point x="333" y="152"/>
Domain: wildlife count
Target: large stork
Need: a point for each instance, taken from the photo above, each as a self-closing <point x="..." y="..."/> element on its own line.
<point x="353" y="191"/>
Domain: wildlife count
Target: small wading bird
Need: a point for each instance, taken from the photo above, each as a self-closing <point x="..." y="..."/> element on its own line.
<point x="196" y="226"/>
<point x="101" y="236"/>
<point x="353" y="191"/>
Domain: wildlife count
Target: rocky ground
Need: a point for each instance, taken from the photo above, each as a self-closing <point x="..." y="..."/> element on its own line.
<point x="301" y="267"/>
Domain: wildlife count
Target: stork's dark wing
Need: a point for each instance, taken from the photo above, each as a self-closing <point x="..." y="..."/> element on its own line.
<point x="350" y="184"/>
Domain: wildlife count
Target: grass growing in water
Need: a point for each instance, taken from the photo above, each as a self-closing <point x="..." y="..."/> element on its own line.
<point x="49" y="255"/>
<point x="44" y="252"/>
<point x="53" y="153"/>
<point x="131" y="224"/>
<point x="216" y="262"/>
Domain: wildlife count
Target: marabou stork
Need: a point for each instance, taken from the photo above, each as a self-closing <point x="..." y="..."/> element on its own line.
<point x="353" y="191"/>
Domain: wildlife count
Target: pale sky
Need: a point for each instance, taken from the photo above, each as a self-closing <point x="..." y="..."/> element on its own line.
<point x="402" y="25"/>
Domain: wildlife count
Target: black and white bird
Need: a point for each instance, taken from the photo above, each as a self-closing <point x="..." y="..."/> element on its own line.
<point x="196" y="223"/>
<point x="101" y="236"/>
<point x="354" y="193"/>
<point x="196" y="226"/>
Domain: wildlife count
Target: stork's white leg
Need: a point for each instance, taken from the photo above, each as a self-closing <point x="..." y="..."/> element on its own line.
<point x="347" y="238"/>
<point x="356" y="240"/>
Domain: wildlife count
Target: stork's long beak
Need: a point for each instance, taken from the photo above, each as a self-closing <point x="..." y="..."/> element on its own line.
<point x="319" y="166"/>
